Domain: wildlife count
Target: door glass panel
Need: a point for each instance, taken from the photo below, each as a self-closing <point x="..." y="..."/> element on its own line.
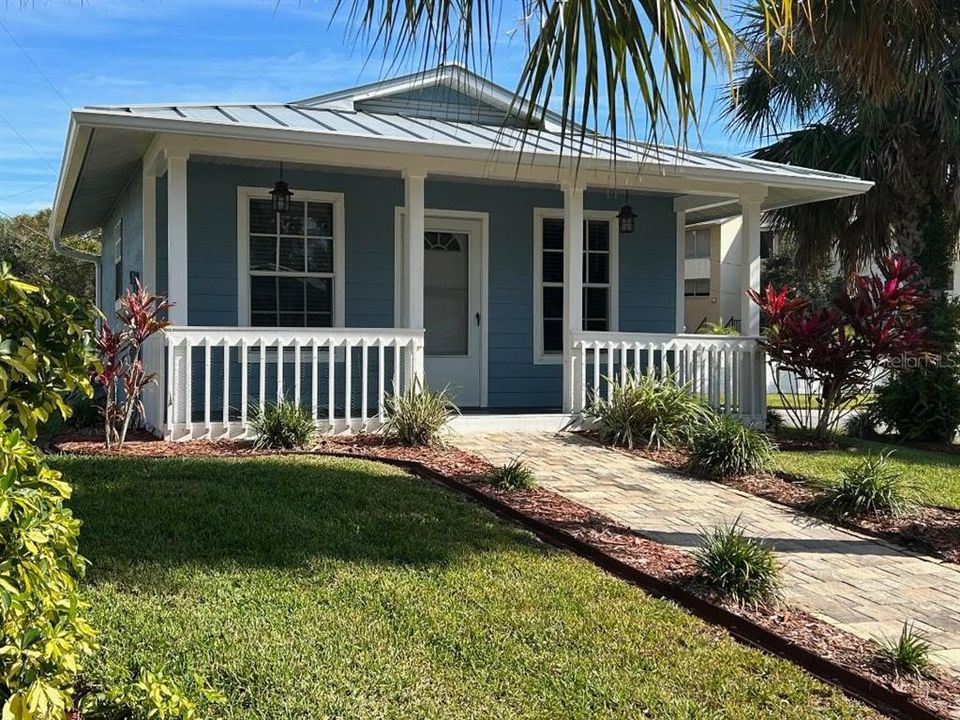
<point x="446" y="293"/>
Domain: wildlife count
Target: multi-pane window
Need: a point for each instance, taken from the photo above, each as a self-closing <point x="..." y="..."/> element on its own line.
<point x="697" y="244"/>
<point x="291" y="264"/>
<point x="118" y="260"/>
<point x="699" y="287"/>
<point x="596" y="280"/>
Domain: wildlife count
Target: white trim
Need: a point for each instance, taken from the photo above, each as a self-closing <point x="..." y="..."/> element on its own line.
<point x="484" y="219"/>
<point x="244" y="195"/>
<point x="539" y="213"/>
<point x="680" y="296"/>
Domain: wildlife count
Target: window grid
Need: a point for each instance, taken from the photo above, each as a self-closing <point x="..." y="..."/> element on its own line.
<point x="312" y="221"/>
<point x="118" y="259"/>
<point x="699" y="287"/>
<point x="697" y="244"/>
<point x="596" y="235"/>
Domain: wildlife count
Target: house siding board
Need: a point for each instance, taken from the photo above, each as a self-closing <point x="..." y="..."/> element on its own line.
<point x="647" y="262"/>
<point x="129" y="209"/>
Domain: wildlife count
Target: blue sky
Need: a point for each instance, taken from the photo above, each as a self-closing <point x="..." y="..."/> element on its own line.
<point x="58" y="54"/>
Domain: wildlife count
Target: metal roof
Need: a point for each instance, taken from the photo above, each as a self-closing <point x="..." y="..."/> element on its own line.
<point x="320" y="122"/>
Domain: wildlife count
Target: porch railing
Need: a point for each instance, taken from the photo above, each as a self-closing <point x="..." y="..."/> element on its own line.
<point x="214" y="379"/>
<point x="728" y="372"/>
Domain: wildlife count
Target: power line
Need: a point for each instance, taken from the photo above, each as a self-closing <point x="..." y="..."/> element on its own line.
<point x="27" y="143"/>
<point x="26" y="190"/>
<point x="35" y="66"/>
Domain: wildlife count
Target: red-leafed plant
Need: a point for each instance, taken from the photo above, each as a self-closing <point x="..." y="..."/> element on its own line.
<point x="122" y="375"/>
<point x="839" y="351"/>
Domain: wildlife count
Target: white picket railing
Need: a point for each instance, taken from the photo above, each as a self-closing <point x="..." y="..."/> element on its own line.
<point x="728" y="372"/>
<point x="215" y="378"/>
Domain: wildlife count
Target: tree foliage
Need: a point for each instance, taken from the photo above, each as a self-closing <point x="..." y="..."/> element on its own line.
<point x="24" y="244"/>
<point x="868" y="88"/>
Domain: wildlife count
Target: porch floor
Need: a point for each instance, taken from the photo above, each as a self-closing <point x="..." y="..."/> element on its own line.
<point x="860" y="584"/>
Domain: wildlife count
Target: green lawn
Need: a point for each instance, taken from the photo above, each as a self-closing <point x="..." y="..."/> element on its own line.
<point x="936" y="475"/>
<point x="312" y="588"/>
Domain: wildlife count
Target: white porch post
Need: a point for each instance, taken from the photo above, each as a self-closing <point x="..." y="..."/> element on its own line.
<point x="572" y="287"/>
<point x="177" y="237"/>
<point x="413" y="227"/>
<point x="750" y="262"/>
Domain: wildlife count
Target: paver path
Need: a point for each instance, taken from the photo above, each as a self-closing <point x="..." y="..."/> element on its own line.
<point x="863" y="585"/>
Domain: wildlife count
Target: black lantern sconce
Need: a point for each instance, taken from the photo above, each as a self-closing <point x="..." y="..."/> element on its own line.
<point x="281" y="195"/>
<point x="626" y="216"/>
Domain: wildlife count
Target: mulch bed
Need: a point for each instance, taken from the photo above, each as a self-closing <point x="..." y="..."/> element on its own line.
<point x="929" y="530"/>
<point x="939" y="693"/>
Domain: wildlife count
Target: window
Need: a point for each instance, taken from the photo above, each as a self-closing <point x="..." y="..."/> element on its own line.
<point x="599" y="280"/>
<point x="118" y="259"/>
<point x="767" y="239"/>
<point x="697" y="244"/>
<point x="290" y="267"/>
<point x="697" y="288"/>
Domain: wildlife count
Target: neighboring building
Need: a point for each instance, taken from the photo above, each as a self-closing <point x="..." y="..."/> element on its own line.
<point x="528" y="281"/>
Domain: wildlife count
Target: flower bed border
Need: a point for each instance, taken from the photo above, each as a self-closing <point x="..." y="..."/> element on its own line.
<point x="890" y="701"/>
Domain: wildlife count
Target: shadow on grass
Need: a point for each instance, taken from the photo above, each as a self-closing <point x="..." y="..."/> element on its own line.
<point x="142" y="516"/>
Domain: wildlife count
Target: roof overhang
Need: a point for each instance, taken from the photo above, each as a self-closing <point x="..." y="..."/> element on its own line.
<point x="105" y="146"/>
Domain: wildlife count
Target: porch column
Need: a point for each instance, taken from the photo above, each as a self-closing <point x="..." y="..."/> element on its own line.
<point x="177" y="237"/>
<point x="750" y="262"/>
<point x="572" y="286"/>
<point x="413" y="227"/>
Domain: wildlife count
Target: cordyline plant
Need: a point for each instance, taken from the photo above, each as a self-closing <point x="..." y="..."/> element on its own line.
<point x="839" y="351"/>
<point x="122" y="374"/>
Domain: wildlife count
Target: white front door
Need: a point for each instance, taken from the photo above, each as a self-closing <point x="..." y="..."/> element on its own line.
<point x="452" y="306"/>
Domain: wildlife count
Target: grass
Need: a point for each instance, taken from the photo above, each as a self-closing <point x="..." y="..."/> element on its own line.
<point x="321" y="588"/>
<point x="935" y="476"/>
<point x="807" y="401"/>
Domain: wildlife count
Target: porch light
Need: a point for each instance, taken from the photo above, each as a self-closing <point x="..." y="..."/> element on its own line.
<point x="627" y="217"/>
<point x="281" y="195"/>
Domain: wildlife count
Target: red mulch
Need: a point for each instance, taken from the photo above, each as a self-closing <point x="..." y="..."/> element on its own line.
<point x="940" y="692"/>
<point x="930" y="530"/>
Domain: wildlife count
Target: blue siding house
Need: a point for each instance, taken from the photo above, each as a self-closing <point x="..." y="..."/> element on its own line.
<point x="541" y="269"/>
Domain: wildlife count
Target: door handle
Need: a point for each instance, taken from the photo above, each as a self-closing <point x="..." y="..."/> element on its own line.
<point x="478" y="319"/>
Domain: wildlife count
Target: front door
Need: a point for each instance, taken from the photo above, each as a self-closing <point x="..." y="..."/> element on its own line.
<point x="452" y="306"/>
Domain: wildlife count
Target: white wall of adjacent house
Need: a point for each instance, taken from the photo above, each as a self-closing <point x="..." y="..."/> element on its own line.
<point x="713" y="281"/>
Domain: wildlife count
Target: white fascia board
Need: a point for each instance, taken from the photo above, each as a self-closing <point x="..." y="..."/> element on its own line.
<point x="74" y="151"/>
<point x="829" y="187"/>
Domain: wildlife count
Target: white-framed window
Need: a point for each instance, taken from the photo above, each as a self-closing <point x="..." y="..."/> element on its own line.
<point x="697" y="244"/>
<point x="601" y="270"/>
<point x="699" y="287"/>
<point x="118" y="260"/>
<point x="291" y="266"/>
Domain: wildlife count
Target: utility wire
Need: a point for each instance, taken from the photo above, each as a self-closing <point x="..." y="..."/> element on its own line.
<point x="35" y="66"/>
<point x="25" y="191"/>
<point x="27" y="143"/>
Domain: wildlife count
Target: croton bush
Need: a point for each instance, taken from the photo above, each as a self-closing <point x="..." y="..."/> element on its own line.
<point x="840" y="350"/>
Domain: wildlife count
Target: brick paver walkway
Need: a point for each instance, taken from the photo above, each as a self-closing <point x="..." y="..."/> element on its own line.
<point x="863" y="585"/>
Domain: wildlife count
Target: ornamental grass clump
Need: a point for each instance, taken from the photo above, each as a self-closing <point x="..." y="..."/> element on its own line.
<point x="871" y="487"/>
<point x="909" y="654"/>
<point x="737" y="567"/>
<point x="418" y="415"/>
<point x="284" y="425"/>
<point x="515" y="475"/>
<point x="725" y="447"/>
<point x="649" y="411"/>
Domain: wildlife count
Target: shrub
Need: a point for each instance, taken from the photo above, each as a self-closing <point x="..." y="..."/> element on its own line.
<point x="908" y="654"/>
<point x="655" y="412"/>
<point x="838" y="350"/>
<point x="737" y="567"/>
<point x="515" y="475"/>
<point x="872" y="487"/>
<point x="122" y="374"/>
<point x="417" y="416"/>
<point x="284" y="425"/>
<point x="775" y="423"/>
<point x="863" y="424"/>
<point x="725" y="447"/>
<point x="717" y="329"/>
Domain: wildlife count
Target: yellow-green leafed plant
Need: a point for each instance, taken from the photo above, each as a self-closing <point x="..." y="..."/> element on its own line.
<point x="45" y="637"/>
<point x="46" y="351"/>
